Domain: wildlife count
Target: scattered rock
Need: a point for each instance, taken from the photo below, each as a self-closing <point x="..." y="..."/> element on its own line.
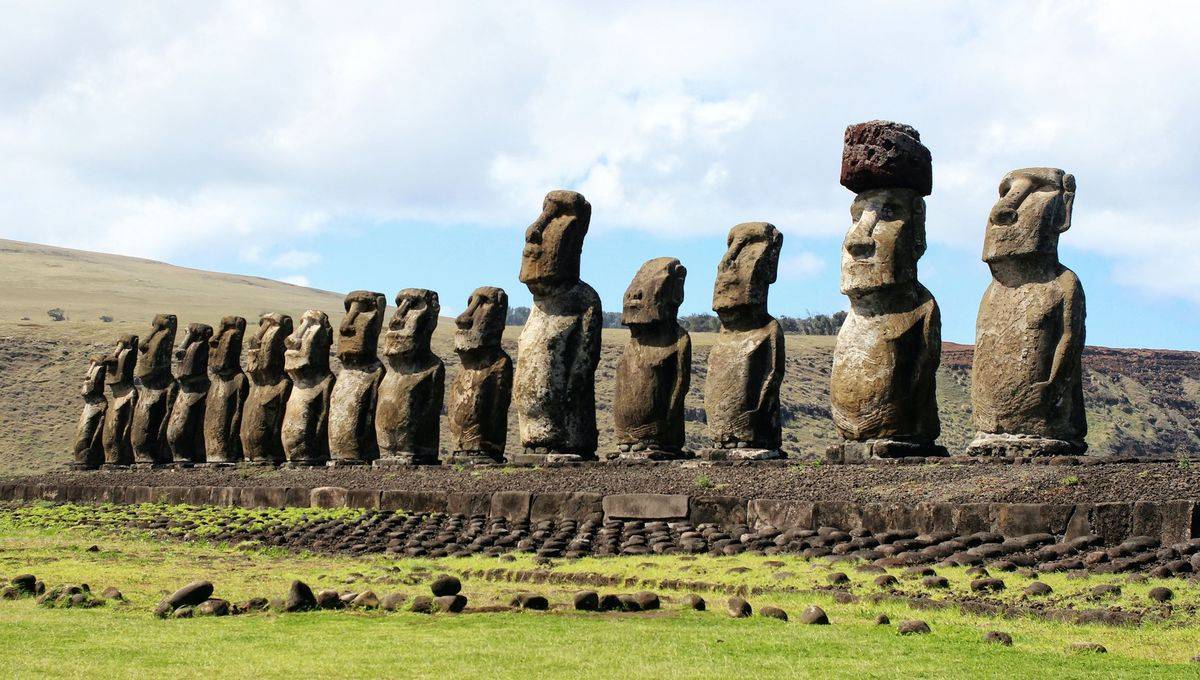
<point x="393" y="601"/>
<point x="935" y="582"/>
<point x="998" y="638"/>
<point x="1161" y="594"/>
<point x="739" y="608"/>
<point x="587" y="601"/>
<point x="883" y="620"/>
<point x="255" y="604"/>
<point x="213" y="607"/>
<point x="837" y="578"/>
<point x="329" y="599"/>
<point x="886" y="581"/>
<point x="530" y="601"/>
<point x="773" y="612"/>
<point x="647" y="600"/>
<point x="183" y="612"/>
<point x="814" y="616"/>
<point x="694" y="601"/>
<point x="188" y="596"/>
<point x="365" y="600"/>
<point x="445" y="585"/>
<point x="450" y="603"/>
<point x="1092" y="647"/>
<point x="1038" y="589"/>
<point x="1105" y="590"/>
<point x="111" y="593"/>
<point x="299" y="598"/>
<point x="94" y="548"/>
<point x="914" y="627"/>
<point x="25" y="584"/>
<point x="980" y="585"/>
<point x="422" y="604"/>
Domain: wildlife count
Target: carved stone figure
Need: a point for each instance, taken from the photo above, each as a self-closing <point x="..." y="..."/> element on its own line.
<point x="306" y="419"/>
<point x="270" y="387"/>
<point x="155" y="391"/>
<point x="185" y="425"/>
<point x="479" y="396"/>
<point x="882" y="387"/>
<point x="559" y="348"/>
<point x="88" y="451"/>
<point x="410" y="396"/>
<point x="118" y="415"/>
<point x="655" y="370"/>
<point x="227" y="391"/>
<point x="746" y="363"/>
<point x="1027" y="378"/>
<point x="352" y="404"/>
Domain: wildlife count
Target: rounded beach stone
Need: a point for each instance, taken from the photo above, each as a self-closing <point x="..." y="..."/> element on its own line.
<point x="814" y="616"/>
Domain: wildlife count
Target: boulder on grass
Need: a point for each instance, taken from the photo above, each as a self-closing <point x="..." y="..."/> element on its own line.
<point x="773" y="612"/>
<point x="998" y="637"/>
<point x="914" y="627"/>
<point x="738" y="608"/>
<point x="587" y="601"/>
<point x="445" y="585"/>
<point x="300" y="598"/>
<point x="213" y="607"/>
<point x="188" y="596"/>
<point x="694" y="601"/>
<point x="365" y="600"/>
<point x="450" y="603"/>
<point x="814" y="616"/>
<point x="393" y="601"/>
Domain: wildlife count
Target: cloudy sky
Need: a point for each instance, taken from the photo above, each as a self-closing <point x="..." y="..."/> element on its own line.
<point x="345" y="145"/>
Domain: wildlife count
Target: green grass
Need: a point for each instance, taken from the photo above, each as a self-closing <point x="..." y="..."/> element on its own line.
<point x="124" y="640"/>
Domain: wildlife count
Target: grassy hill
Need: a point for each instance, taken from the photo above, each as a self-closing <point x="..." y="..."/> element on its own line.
<point x="1139" y="401"/>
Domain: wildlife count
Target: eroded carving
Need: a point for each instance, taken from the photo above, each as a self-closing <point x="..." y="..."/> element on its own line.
<point x="306" y="419"/>
<point x="118" y="415"/>
<point x="270" y="387"/>
<point x="155" y="391"/>
<point x="352" y="403"/>
<point x="481" y="391"/>
<point x="185" y="425"/>
<point x="88" y="451"/>
<point x="410" y="395"/>
<point x="227" y="391"/>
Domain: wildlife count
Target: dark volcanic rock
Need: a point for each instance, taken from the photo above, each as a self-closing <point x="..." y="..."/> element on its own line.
<point x="587" y="601"/>
<point x="188" y="596"/>
<point x="738" y="608"/>
<point x="914" y="627"/>
<point x="998" y="637"/>
<point x="814" y="615"/>
<point x="299" y="598"/>
<point x="446" y="585"/>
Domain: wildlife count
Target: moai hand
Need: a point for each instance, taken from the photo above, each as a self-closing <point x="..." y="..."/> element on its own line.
<point x="305" y="430"/>
<point x="352" y="404"/>
<point x="479" y="396"/>
<point x="410" y="396"/>
<point x="270" y="387"/>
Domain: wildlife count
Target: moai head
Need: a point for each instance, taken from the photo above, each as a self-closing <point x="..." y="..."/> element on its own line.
<point x="155" y="360"/>
<point x="119" y="364"/>
<point x="308" y="347"/>
<point x="554" y="242"/>
<point x="482" y="324"/>
<point x="412" y="324"/>
<point x="266" y="347"/>
<point x="93" y="384"/>
<point x="1034" y="208"/>
<point x="891" y="172"/>
<point x="225" y="347"/>
<point x="193" y="350"/>
<point x="747" y="269"/>
<point x="654" y="295"/>
<point x="358" y="336"/>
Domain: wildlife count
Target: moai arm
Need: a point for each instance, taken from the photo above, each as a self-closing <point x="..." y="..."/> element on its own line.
<point x="931" y="348"/>
<point x="587" y="354"/>
<point x="1070" y="344"/>
<point x="683" y="373"/>
<point x="172" y="392"/>
<point x="773" y="377"/>
<point x="235" y="421"/>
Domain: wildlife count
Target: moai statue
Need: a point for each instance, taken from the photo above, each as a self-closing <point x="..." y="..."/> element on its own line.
<point x="352" y="404"/>
<point x="882" y="388"/>
<point x="559" y="348"/>
<point x="185" y="425"/>
<point x="266" y="400"/>
<point x="746" y="363"/>
<point x="305" y="430"/>
<point x="88" y="452"/>
<point x="1027" y="378"/>
<point x="479" y="396"/>
<point x="656" y="367"/>
<point x="227" y="391"/>
<point x="118" y="415"/>
<point x="155" y="391"/>
<point x="410" y="396"/>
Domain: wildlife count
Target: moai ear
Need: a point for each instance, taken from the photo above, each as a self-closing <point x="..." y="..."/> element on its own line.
<point x="918" y="211"/>
<point x="1068" y="201"/>
<point x="678" y="277"/>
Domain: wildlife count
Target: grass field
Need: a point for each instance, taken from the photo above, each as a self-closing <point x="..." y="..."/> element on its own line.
<point x="125" y="640"/>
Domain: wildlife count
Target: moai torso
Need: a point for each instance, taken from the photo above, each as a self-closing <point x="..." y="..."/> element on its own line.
<point x="477" y="408"/>
<point x="155" y="392"/>
<point x="88" y="451"/>
<point x="227" y="391"/>
<point x="269" y="389"/>
<point x="409" y="403"/>
<point x="118" y="414"/>
<point x="185" y="425"/>
<point x="305" y="431"/>
<point x="352" y="402"/>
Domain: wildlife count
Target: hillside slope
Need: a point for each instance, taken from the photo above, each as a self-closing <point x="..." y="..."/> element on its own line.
<point x="1139" y="401"/>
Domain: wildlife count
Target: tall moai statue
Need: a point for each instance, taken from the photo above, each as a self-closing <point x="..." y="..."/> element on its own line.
<point x="477" y="409"/>
<point x="122" y="397"/>
<point x="1027" y="377"/>
<point x="882" y="388"/>
<point x="559" y="348"/>
<point x="410" y="397"/>
<point x="155" y="391"/>
<point x="746" y="363"/>
<point x="305" y="431"/>
<point x="352" y="404"/>
<point x="185" y="425"/>
<point x="266" y="400"/>
<point x="655" y="370"/>
<point x="88" y="451"/>
<point x="227" y="391"/>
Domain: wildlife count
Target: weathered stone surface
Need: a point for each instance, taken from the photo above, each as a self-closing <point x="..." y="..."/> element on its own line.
<point x="185" y="424"/>
<point x="554" y="384"/>
<point x="693" y="601"/>
<point x="329" y="497"/>
<point x="413" y="501"/>
<point x="410" y="396"/>
<point x="1017" y="519"/>
<point x="746" y="363"/>
<point x="213" y="607"/>
<point x="269" y="391"/>
<point x="445" y="584"/>
<point x="738" y="608"/>
<point x="511" y="505"/>
<point x="780" y="514"/>
<point x="153" y="382"/>
<point x="306" y="418"/>
<point x="482" y="390"/>
<point x="118" y="414"/>
<point x="228" y="387"/>
<point x="299" y="598"/>
<point x="452" y="604"/>
<point x="723" y="510"/>
<point x="190" y="595"/>
<point x="87" y="453"/>
<point x="914" y="627"/>
<point x="650" y="506"/>
<point x="587" y="601"/>
<point x="882" y="386"/>
<point x="1026" y="379"/>
<point x="352" y="402"/>
<point x="814" y="616"/>
<point x="998" y="637"/>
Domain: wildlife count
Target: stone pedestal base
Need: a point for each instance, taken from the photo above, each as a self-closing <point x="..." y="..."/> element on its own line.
<point x="857" y="452"/>
<point x="405" y="459"/>
<point x="258" y="463"/>
<point x="1023" y="446"/>
<point x="644" y="452"/>
<point x="182" y="464"/>
<point x="347" y="463"/>
<point x="82" y="466"/>
<point x="219" y="464"/>
<point x="473" y="458"/>
<point x="741" y="454"/>
<point x="151" y="466"/>
<point x="114" y="466"/>
<point x="298" y="464"/>
<point x="542" y="456"/>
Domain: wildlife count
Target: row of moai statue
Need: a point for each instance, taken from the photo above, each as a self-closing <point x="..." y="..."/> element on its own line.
<point x="288" y="406"/>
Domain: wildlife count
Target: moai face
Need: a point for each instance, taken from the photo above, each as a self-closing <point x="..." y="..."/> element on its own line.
<point x="119" y="364"/>
<point x="886" y="240"/>
<point x="412" y="323"/>
<point x="193" y="350"/>
<point x="748" y="267"/>
<point x="482" y="324"/>
<point x="308" y="347"/>
<point x="156" y="349"/>
<point x="654" y="295"/>
<point x="554" y="242"/>
<point x="225" y="347"/>
<point x="1034" y="208"/>
<point x="93" y="384"/>
<point x="358" y="335"/>
<point x="267" y="346"/>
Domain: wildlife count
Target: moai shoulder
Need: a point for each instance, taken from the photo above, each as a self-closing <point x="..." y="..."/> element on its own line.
<point x="409" y="404"/>
<point x="352" y="405"/>
<point x="477" y="407"/>
<point x="305" y="431"/>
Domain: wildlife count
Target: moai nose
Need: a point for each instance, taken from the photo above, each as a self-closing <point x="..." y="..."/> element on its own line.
<point x="1003" y="215"/>
<point x="861" y="250"/>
